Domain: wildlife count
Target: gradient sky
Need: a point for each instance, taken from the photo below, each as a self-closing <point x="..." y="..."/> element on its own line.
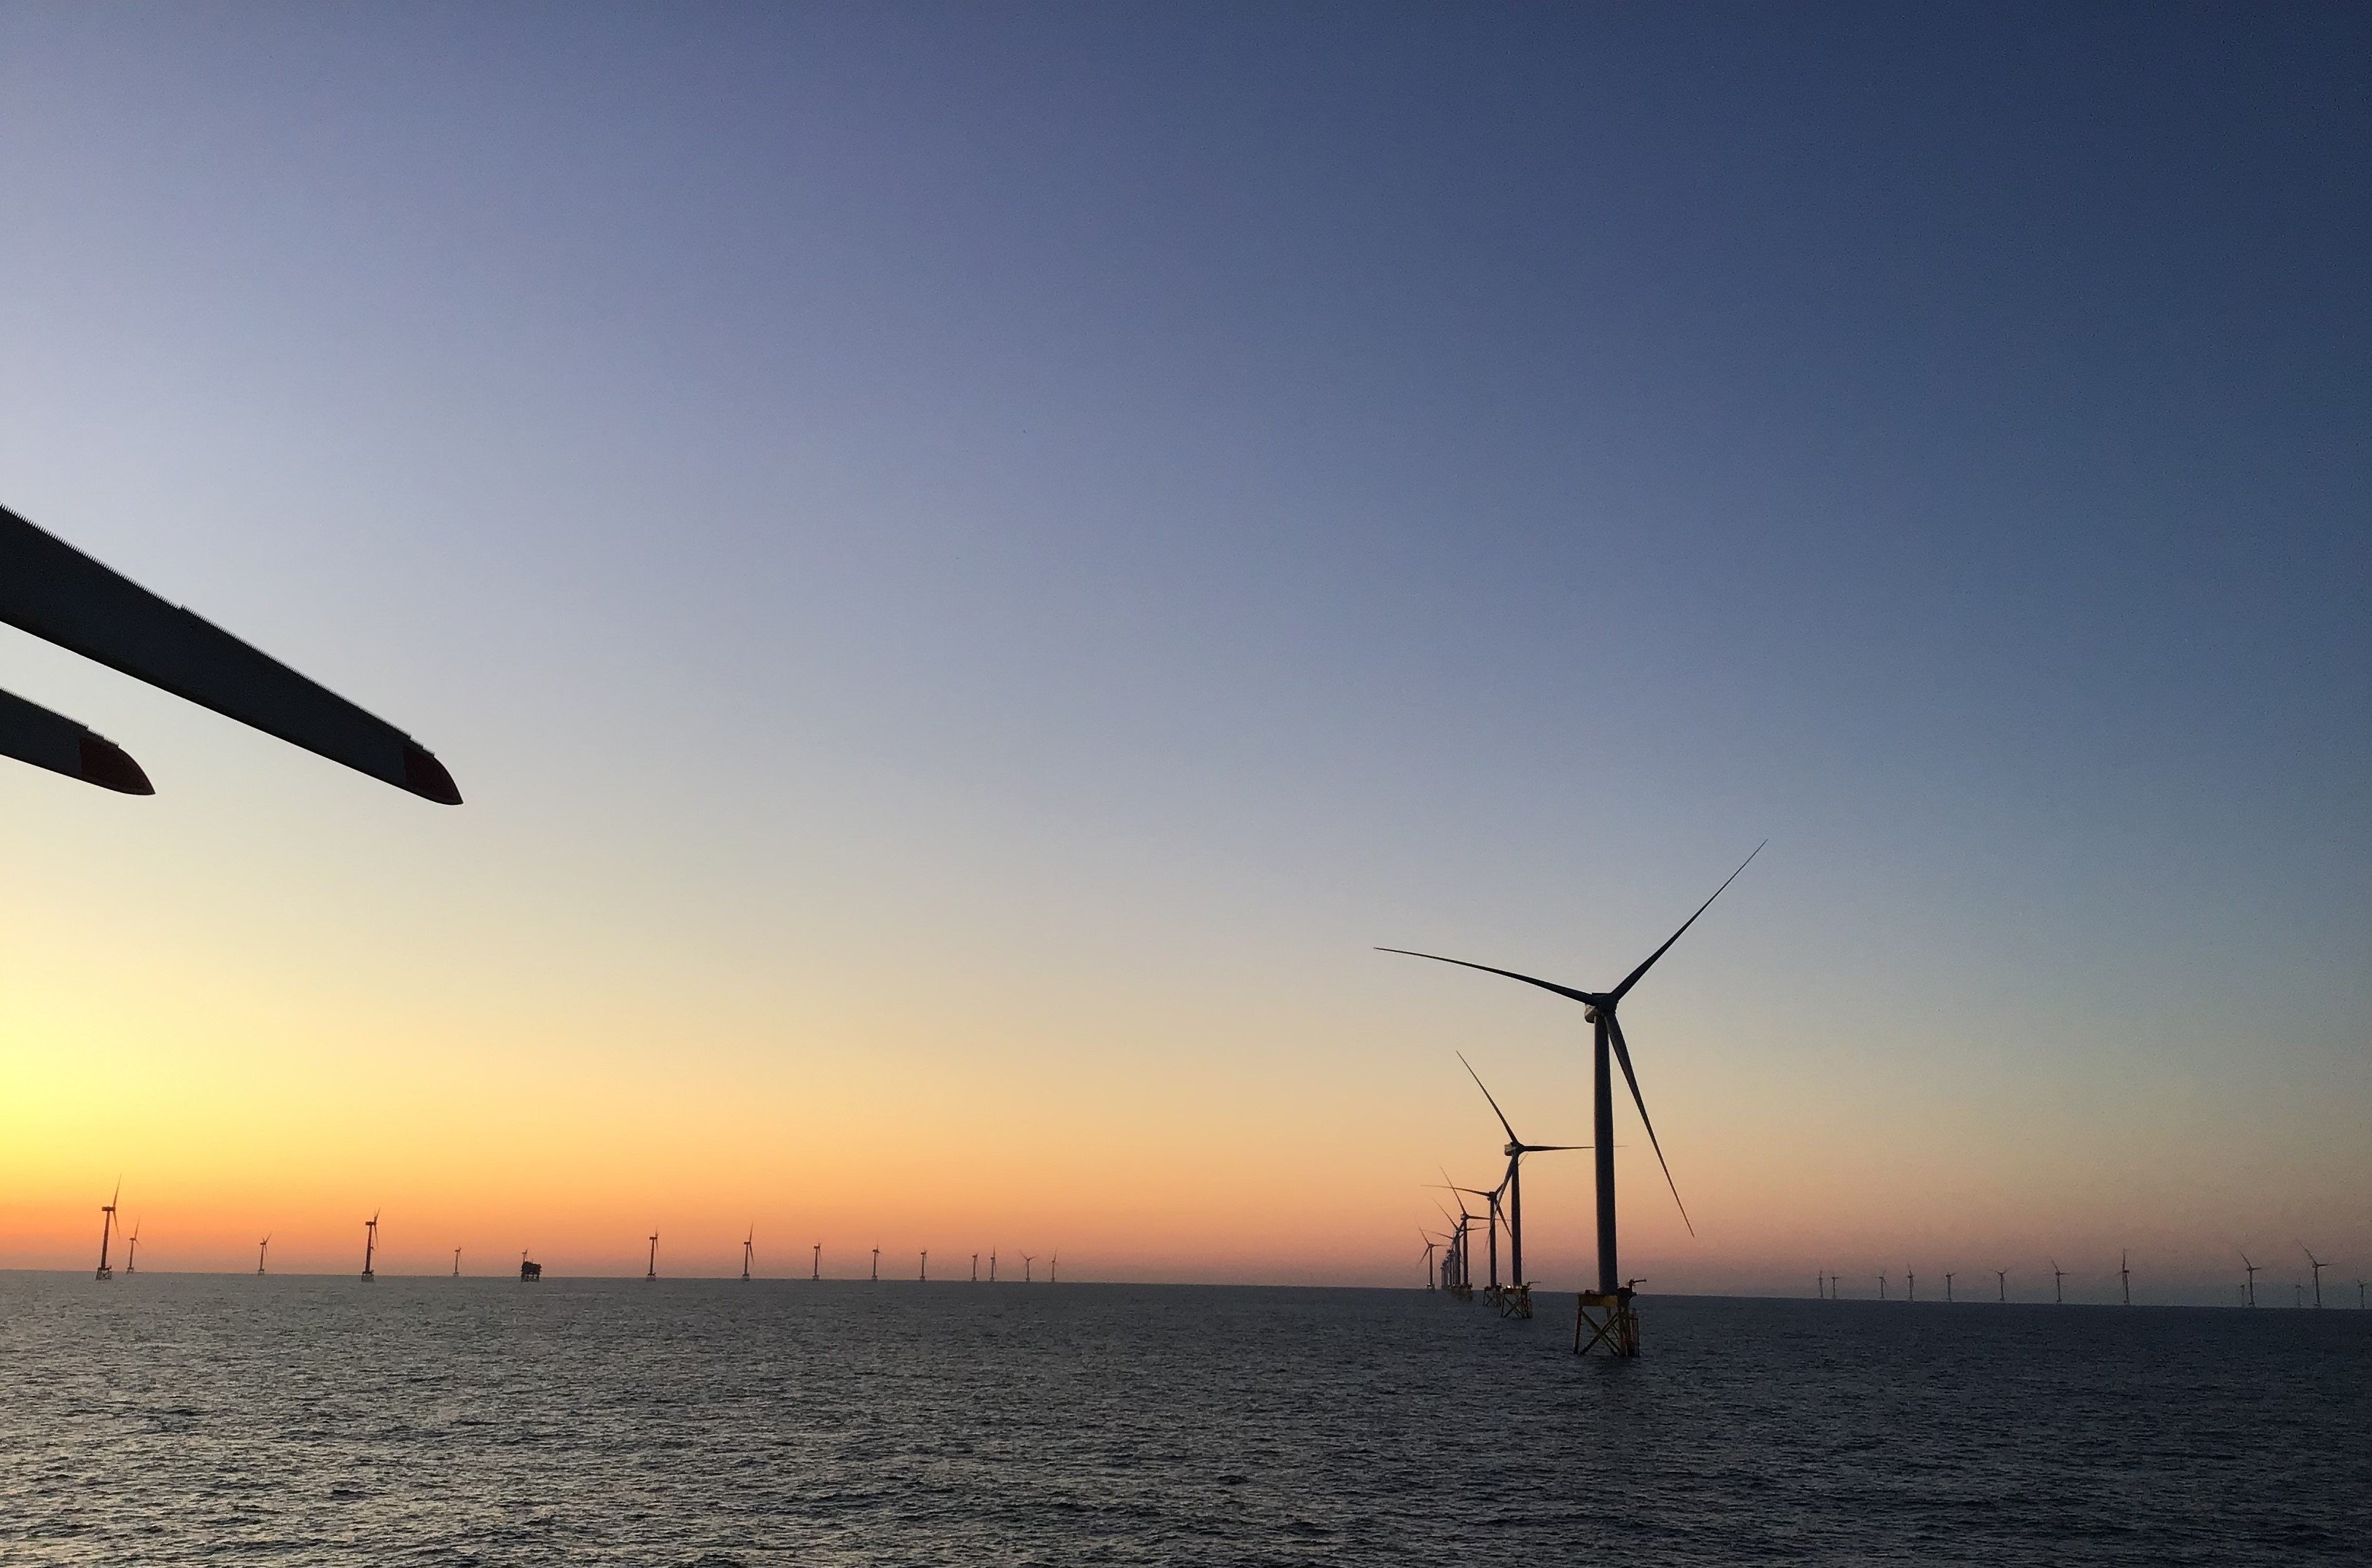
<point x="972" y="562"/>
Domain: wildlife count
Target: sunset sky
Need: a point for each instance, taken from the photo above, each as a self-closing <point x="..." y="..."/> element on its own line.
<point x="972" y="563"/>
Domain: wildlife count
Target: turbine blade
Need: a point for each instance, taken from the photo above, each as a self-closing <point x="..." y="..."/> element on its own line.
<point x="1622" y="1055"/>
<point x="31" y="733"/>
<point x="1633" y="979"/>
<point x="60" y="594"/>
<point x="1554" y="1148"/>
<point x="1528" y="980"/>
<point x="1486" y="1095"/>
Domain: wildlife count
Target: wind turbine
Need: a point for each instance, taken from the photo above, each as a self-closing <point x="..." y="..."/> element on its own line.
<point x="1619" y="1329"/>
<point x="456" y="1262"/>
<point x="1431" y="1246"/>
<point x="2058" y="1295"/>
<point x="107" y="1230"/>
<point x="876" y="1262"/>
<point x="1910" y="1285"/>
<point x="652" y="1272"/>
<point x="1516" y="1150"/>
<point x="261" y="1247"/>
<point x="975" y="1267"/>
<point x="132" y="1257"/>
<point x="2001" y="1282"/>
<point x="1491" y="1218"/>
<point x="992" y="1265"/>
<point x="1053" y="1262"/>
<point x="1947" y="1286"/>
<point x="2251" y="1288"/>
<point x="1881" y="1284"/>
<point x="370" y="1246"/>
<point x="2302" y="1247"/>
<point x="925" y="1274"/>
<point x="1027" y="1259"/>
<point x="2125" y="1275"/>
<point x="815" y="1269"/>
<point x="749" y="1248"/>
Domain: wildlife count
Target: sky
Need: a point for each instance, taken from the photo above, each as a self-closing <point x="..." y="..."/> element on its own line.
<point x="972" y="563"/>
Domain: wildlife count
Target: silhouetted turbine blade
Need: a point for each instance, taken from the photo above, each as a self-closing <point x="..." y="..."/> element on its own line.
<point x="1622" y="1055"/>
<point x="31" y="733"/>
<point x="1554" y="1148"/>
<point x="1528" y="980"/>
<point x="1623" y="990"/>
<point x="1486" y="1095"/>
<point x="57" y="593"/>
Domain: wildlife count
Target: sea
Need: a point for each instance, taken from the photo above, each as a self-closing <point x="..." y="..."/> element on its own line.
<point x="164" y="1418"/>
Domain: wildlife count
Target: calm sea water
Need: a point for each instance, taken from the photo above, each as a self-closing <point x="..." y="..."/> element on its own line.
<point x="168" y="1418"/>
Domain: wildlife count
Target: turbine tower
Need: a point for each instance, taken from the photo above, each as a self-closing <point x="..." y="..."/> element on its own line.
<point x="1516" y="1300"/>
<point x="132" y="1257"/>
<point x="2252" y="1287"/>
<point x="876" y="1262"/>
<point x="975" y="1267"/>
<point x="456" y="1262"/>
<point x="370" y="1246"/>
<point x="2058" y="1295"/>
<point x="814" y="1269"/>
<point x="261" y="1247"/>
<point x="925" y="1275"/>
<point x="1947" y="1286"/>
<point x="2302" y="1247"/>
<point x="1617" y="1327"/>
<point x="107" y="1231"/>
<point x="652" y="1272"/>
<point x="1910" y="1285"/>
<point x="2125" y="1275"/>
<point x="1027" y="1258"/>
<point x="749" y="1248"/>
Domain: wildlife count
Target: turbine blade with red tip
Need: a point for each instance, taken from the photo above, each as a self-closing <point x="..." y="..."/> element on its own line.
<point x="57" y="593"/>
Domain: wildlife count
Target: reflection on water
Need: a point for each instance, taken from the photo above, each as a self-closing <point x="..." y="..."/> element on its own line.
<point x="164" y="1417"/>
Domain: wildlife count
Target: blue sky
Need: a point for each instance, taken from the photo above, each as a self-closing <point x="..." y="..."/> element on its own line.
<point x="1118" y="510"/>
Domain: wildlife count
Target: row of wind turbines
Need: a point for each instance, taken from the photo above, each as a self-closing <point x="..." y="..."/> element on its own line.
<point x="1605" y="1318"/>
<point x="1830" y="1286"/>
<point x="529" y="1270"/>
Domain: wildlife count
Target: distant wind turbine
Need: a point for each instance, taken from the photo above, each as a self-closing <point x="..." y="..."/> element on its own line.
<point x="456" y="1262"/>
<point x="1027" y="1259"/>
<point x="2302" y="1247"/>
<point x="652" y="1272"/>
<point x="2125" y="1275"/>
<point x="748" y="1250"/>
<point x="261" y="1247"/>
<point x="370" y="1246"/>
<point x="131" y="1256"/>
<point x="2058" y="1295"/>
<point x="107" y="1229"/>
<point x="2001" y="1280"/>
<point x="877" y="1263"/>
<point x="1608" y="1048"/>
<point x="1514" y="1182"/>
<point x="2252" y="1287"/>
<point x="1947" y="1285"/>
<point x="1910" y="1285"/>
<point x="925" y="1274"/>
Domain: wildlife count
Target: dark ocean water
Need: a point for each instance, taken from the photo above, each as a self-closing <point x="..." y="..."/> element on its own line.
<point x="169" y="1418"/>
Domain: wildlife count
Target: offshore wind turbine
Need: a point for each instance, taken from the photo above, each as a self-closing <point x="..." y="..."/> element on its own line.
<point x="749" y="1248"/>
<point x="132" y="1257"/>
<point x="2058" y="1295"/>
<point x="107" y="1230"/>
<point x="2302" y="1247"/>
<point x="2125" y="1275"/>
<point x="925" y="1275"/>
<point x="1947" y="1285"/>
<point x="2251" y="1288"/>
<point x="877" y="1263"/>
<point x="1027" y="1258"/>
<point x="1490" y="1217"/>
<point x="975" y="1267"/>
<point x="261" y="1247"/>
<point x="1517" y="1301"/>
<point x="2001" y="1284"/>
<point x="370" y="1246"/>
<point x="1617" y="1329"/>
<point x="456" y="1262"/>
<point x="652" y="1272"/>
<point x="1910" y="1285"/>
<point x="815" y="1269"/>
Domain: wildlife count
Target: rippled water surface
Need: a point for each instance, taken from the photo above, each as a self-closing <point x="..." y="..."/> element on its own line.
<point x="168" y="1418"/>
